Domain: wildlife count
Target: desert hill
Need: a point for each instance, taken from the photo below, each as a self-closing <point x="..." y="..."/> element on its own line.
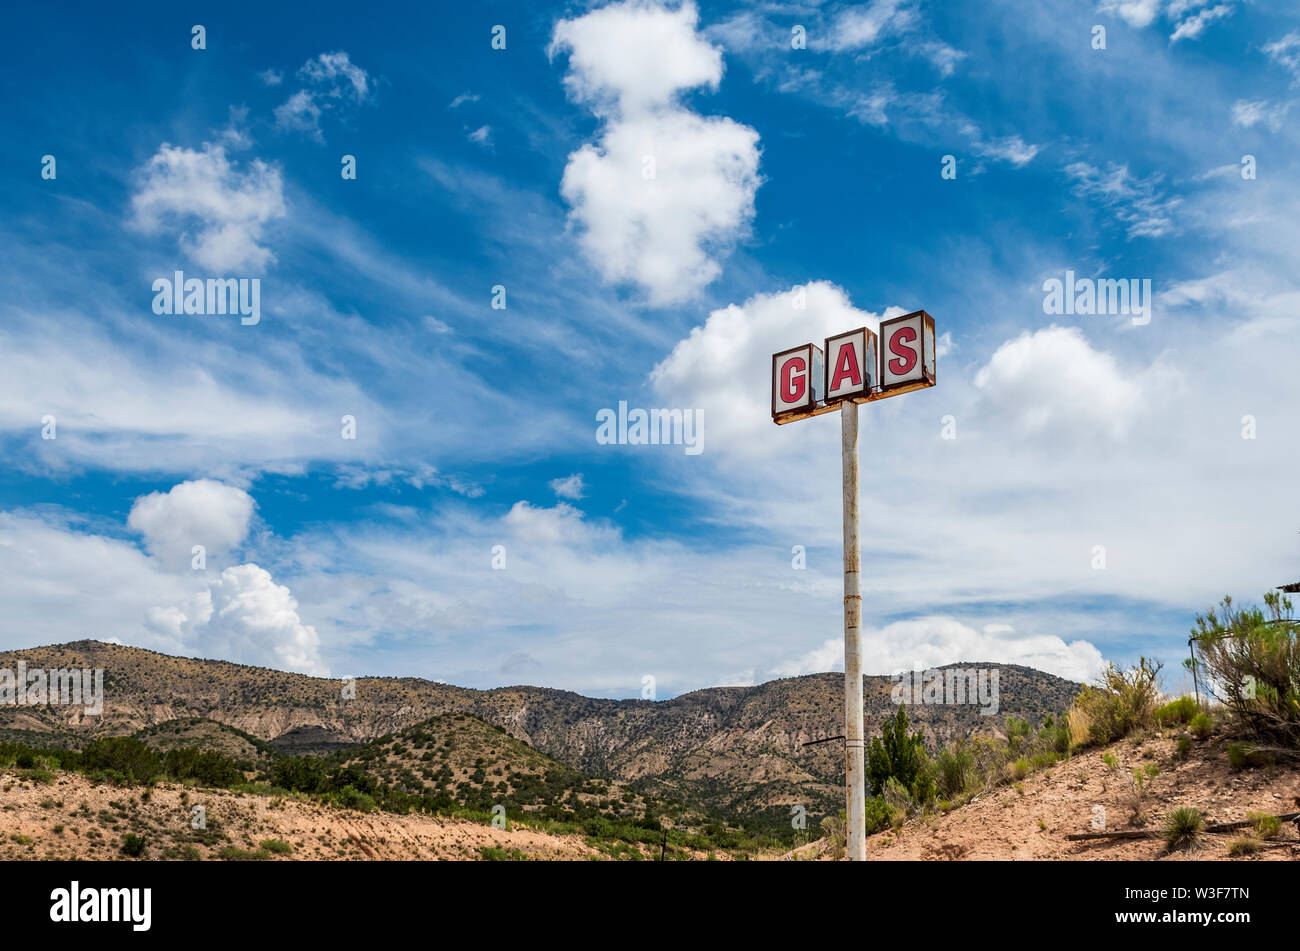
<point x="733" y="750"/>
<point x="204" y="734"/>
<point x="472" y="764"/>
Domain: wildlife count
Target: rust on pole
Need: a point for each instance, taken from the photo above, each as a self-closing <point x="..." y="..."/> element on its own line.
<point x="854" y="742"/>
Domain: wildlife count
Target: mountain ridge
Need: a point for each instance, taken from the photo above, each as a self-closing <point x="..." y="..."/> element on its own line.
<point x="734" y="748"/>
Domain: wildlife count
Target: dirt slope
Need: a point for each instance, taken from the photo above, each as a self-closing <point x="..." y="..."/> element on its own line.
<point x="1006" y="825"/>
<point x="72" y="818"/>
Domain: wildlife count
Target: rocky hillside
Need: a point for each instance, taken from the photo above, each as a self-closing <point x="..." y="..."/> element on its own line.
<point x="731" y="749"/>
<point x="477" y="765"/>
<point x="204" y="734"/>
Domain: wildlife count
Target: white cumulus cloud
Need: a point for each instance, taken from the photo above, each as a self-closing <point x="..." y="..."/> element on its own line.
<point x="246" y="617"/>
<point x="1054" y="379"/>
<point x="923" y="643"/>
<point x="664" y="192"/>
<point x="570" y="487"/>
<point x="219" y="209"/>
<point x="202" y="512"/>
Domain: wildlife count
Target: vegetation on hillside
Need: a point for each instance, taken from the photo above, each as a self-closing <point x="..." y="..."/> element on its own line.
<point x="694" y="754"/>
<point x="693" y="757"/>
<point x="1250" y="660"/>
<point x="455" y="765"/>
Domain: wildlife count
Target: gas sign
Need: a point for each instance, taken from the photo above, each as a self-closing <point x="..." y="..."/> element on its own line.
<point x="856" y="366"/>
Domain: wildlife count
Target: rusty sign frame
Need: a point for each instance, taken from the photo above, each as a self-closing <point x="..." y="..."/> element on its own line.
<point x="869" y="342"/>
<point x="812" y="400"/>
<point x="924" y="352"/>
<point x="877" y="392"/>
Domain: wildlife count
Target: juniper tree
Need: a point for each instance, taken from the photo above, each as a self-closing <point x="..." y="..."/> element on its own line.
<point x="896" y="754"/>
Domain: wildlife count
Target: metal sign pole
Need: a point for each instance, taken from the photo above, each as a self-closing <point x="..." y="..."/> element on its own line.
<point x="808" y="381"/>
<point x="854" y="744"/>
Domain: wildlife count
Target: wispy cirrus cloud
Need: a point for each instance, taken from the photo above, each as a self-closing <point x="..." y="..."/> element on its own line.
<point x="1249" y="113"/>
<point x="1139" y="203"/>
<point x="1286" y="53"/>
<point x="1191" y="27"/>
<point x="846" y="49"/>
<point x="862" y="26"/>
<point x="1188" y="18"/>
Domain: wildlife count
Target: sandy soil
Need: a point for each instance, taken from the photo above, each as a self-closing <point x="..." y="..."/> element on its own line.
<point x="73" y="818"/>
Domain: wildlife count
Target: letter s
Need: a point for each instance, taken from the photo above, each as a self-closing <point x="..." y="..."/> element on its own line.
<point x="905" y="356"/>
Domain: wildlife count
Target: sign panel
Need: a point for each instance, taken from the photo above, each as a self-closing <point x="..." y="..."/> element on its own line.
<point x="850" y="365"/>
<point x="906" y="350"/>
<point x="796" y="379"/>
<point x="857" y="365"/>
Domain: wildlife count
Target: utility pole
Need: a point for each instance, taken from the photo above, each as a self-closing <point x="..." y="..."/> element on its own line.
<point x="808" y="381"/>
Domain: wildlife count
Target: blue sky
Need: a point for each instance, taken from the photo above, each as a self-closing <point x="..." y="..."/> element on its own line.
<point x="1101" y="480"/>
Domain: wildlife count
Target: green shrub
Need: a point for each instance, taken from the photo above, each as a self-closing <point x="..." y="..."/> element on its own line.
<point x="1266" y="826"/>
<point x="879" y="815"/>
<point x="1251" y="658"/>
<point x="278" y="846"/>
<point x="834" y="828"/>
<point x="1244" y="756"/>
<point x="923" y="789"/>
<point x="232" y="854"/>
<point x="1184" y="748"/>
<point x="954" y="769"/>
<point x="349" y="797"/>
<point x="1179" y="711"/>
<point x="897" y="797"/>
<point x="1043" y="760"/>
<point x="134" y="845"/>
<point x="1244" y="845"/>
<point x="300" y="773"/>
<point x="1017" y="731"/>
<point x="1202" y="725"/>
<point x="1135" y="795"/>
<point x="490" y="853"/>
<point x="1183" y="826"/>
<point x="1121" y="702"/>
<point x="1055" y="737"/>
<point x="124" y="757"/>
<point x="205" y="767"/>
